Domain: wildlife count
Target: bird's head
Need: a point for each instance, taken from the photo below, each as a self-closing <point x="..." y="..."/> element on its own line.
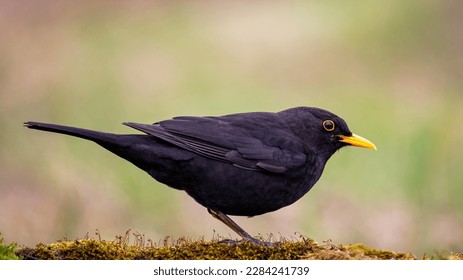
<point x="322" y="131"/>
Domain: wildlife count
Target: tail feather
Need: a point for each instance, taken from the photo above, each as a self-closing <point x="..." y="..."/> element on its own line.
<point x="138" y="149"/>
<point x="88" y="134"/>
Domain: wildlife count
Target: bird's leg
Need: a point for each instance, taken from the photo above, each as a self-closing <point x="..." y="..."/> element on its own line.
<point x="236" y="228"/>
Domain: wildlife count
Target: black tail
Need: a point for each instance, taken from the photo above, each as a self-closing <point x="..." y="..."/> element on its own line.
<point x="139" y="149"/>
<point x="88" y="134"/>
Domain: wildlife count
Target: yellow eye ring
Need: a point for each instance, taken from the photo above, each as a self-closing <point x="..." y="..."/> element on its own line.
<point x="328" y="125"/>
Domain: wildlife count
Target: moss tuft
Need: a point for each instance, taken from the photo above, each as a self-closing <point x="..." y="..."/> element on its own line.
<point x="361" y="251"/>
<point x="7" y="252"/>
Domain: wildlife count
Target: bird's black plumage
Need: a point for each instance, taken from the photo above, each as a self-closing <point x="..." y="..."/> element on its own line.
<point x="243" y="164"/>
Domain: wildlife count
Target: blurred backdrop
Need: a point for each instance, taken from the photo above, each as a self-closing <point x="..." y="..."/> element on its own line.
<point x="393" y="70"/>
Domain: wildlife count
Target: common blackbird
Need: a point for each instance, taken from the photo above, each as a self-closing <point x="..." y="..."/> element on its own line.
<point x="242" y="164"/>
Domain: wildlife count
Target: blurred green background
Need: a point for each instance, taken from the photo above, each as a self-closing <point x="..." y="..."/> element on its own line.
<point x="393" y="70"/>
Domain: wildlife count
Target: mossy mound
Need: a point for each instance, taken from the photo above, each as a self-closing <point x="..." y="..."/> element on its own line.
<point x="184" y="249"/>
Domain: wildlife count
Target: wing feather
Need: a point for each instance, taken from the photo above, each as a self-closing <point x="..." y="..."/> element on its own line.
<point x="229" y="139"/>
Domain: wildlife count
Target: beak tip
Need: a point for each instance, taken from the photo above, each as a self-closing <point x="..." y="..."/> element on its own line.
<point x="358" y="141"/>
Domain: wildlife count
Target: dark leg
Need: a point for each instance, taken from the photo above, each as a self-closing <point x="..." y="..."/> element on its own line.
<point x="236" y="228"/>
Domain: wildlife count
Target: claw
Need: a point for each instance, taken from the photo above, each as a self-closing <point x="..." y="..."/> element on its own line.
<point x="253" y="241"/>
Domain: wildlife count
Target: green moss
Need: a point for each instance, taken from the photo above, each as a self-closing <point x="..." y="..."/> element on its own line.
<point x="7" y="252"/>
<point x="80" y="250"/>
<point x="186" y="249"/>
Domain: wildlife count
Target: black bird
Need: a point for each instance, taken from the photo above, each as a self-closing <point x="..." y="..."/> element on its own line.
<point x="243" y="164"/>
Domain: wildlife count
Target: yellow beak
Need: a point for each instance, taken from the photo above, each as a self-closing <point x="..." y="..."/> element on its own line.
<point x="357" y="141"/>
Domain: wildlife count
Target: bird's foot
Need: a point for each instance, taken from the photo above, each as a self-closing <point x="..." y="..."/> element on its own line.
<point x="251" y="240"/>
<point x="241" y="232"/>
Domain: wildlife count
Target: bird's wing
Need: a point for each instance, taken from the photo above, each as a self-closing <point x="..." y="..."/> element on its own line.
<point x="246" y="144"/>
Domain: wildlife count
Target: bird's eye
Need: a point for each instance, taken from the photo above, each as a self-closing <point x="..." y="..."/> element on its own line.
<point x="328" y="125"/>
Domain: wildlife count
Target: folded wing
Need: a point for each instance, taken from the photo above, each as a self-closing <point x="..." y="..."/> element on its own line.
<point x="247" y="141"/>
